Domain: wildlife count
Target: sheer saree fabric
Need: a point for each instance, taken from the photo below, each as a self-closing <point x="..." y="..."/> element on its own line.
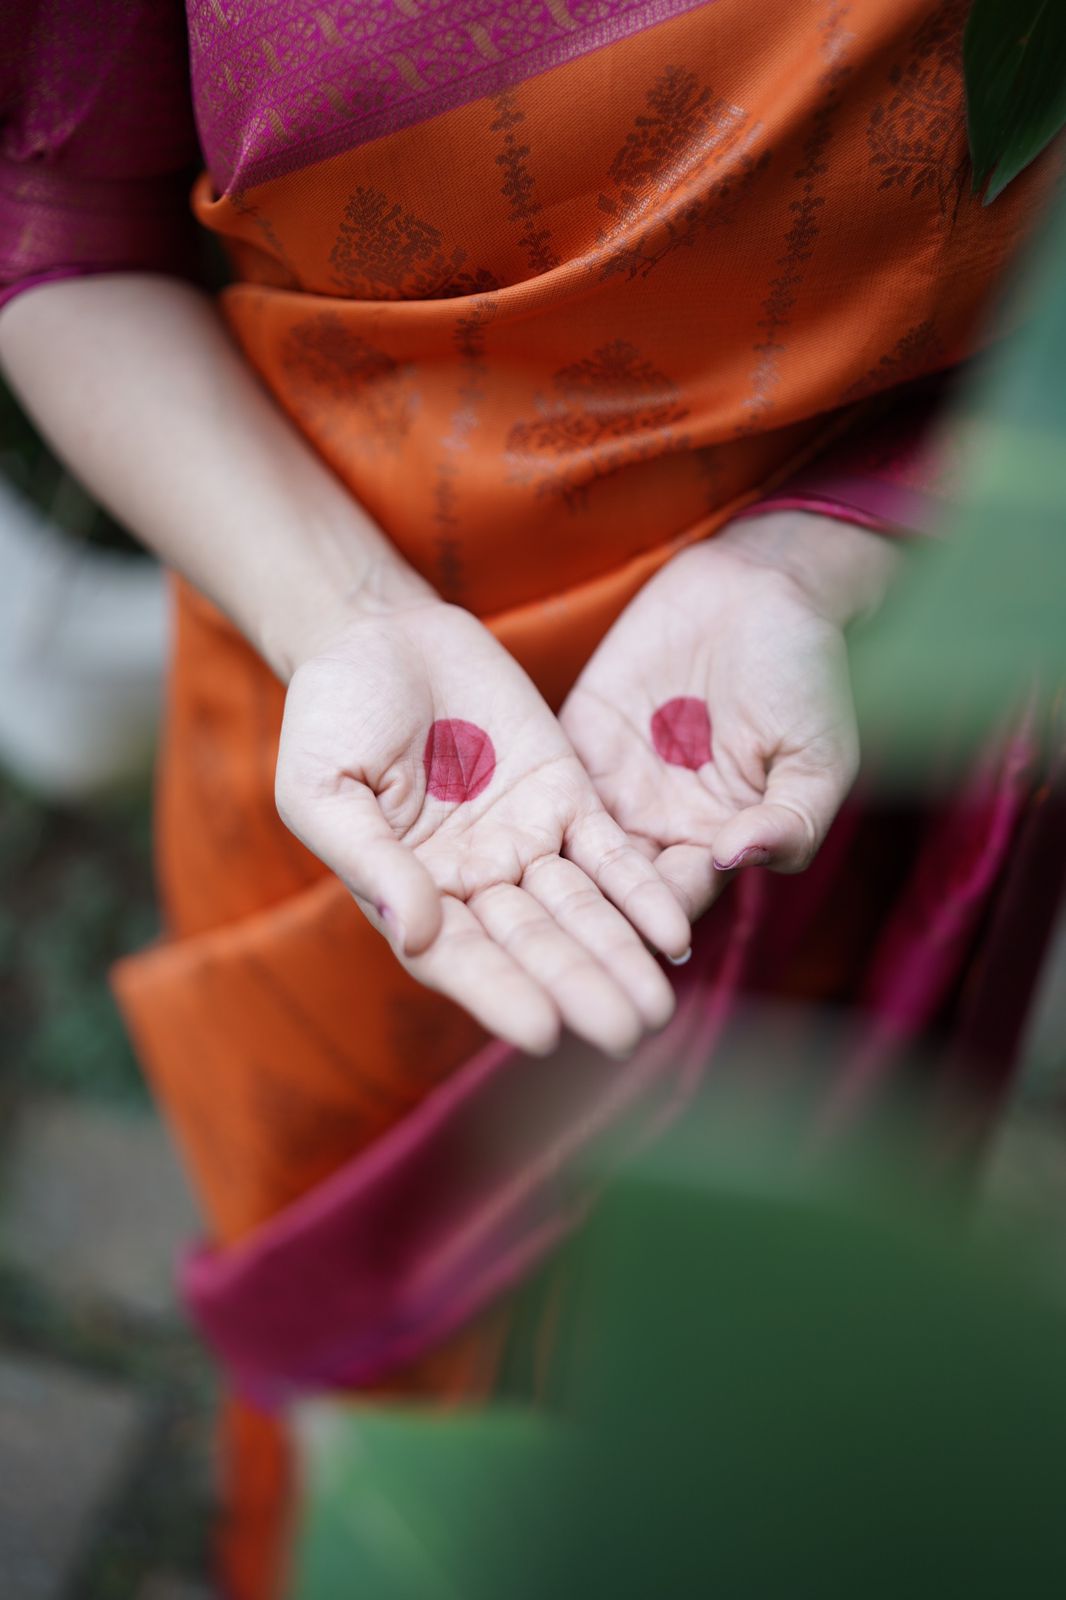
<point x="556" y="287"/>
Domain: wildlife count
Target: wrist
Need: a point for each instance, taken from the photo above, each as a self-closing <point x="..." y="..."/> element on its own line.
<point x="294" y="628"/>
<point x="844" y="569"/>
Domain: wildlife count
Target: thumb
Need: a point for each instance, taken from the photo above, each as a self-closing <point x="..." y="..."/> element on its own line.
<point x="786" y="829"/>
<point x="348" y="832"/>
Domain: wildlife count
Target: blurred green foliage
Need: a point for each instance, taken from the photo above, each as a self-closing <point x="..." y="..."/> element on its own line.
<point x="75" y="893"/>
<point x="777" y="1379"/>
<point x="407" y="1506"/>
<point x="978" y="620"/>
<point x="1015" y="62"/>
<point x="75" y="884"/>
<point x="28" y="464"/>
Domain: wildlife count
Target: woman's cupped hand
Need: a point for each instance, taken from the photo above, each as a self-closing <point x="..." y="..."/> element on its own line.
<point x="420" y="763"/>
<point x="716" y="718"/>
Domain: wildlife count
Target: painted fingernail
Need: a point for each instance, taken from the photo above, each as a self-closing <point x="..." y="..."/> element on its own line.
<point x="754" y="856"/>
<point x="396" y="930"/>
<point x="679" y="961"/>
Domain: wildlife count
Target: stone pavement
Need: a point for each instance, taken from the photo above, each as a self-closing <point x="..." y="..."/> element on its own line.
<point x="165" y="1586"/>
<point x="95" y="1206"/>
<point x="106" y="1469"/>
<point x="65" y="1442"/>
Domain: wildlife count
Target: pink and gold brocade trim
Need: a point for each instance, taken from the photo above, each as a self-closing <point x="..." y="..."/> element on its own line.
<point x="279" y="85"/>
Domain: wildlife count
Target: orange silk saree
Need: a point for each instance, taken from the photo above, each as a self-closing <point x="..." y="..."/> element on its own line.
<point x="547" y="337"/>
<point x="556" y="289"/>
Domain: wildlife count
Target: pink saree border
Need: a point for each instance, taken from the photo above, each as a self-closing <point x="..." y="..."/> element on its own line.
<point x="458" y="1202"/>
<point x="472" y="1189"/>
<point x="883" y="507"/>
<point x="278" y="86"/>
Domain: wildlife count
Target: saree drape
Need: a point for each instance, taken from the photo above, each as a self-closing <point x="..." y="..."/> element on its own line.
<point x="556" y="289"/>
<point x="547" y="337"/>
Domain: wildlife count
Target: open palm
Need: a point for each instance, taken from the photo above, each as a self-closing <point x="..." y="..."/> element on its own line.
<point x="716" y="720"/>
<point x="420" y="763"/>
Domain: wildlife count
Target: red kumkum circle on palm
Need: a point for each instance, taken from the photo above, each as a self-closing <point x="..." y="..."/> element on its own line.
<point x="681" y="732"/>
<point x="459" y="760"/>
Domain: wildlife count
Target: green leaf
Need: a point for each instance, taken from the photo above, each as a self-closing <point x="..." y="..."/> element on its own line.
<point x="784" y="1378"/>
<point x="415" y="1505"/>
<point x="977" y="618"/>
<point x="1014" y="54"/>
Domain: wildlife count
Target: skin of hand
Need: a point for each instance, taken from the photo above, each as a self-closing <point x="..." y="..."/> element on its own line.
<point x="505" y="901"/>
<point x="750" y="626"/>
<point x="502" y="901"/>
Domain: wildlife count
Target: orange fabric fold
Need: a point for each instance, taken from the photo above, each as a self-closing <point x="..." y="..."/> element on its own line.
<point x="546" y="339"/>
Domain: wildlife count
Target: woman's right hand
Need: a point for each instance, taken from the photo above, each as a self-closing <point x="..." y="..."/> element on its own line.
<point x="501" y="901"/>
<point x="419" y="762"/>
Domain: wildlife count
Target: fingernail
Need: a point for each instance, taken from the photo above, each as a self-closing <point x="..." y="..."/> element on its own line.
<point x="397" y="931"/>
<point x="754" y="856"/>
<point x="679" y="961"/>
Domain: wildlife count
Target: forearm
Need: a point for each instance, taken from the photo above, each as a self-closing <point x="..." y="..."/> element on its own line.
<point x="136" y="382"/>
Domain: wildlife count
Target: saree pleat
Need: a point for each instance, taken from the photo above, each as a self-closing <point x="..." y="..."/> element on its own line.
<point x="549" y="335"/>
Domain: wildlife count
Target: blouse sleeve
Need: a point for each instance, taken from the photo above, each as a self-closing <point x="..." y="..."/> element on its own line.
<point x="896" y="473"/>
<point x="97" y="140"/>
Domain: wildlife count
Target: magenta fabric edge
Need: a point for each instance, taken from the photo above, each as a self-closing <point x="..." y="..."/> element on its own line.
<point x="463" y="90"/>
<point x="105" y="269"/>
<point x="500" y="1231"/>
<point x="405" y="1135"/>
<point x="11" y="291"/>
<point x="213" y="1283"/>
<point x="872" y="503"/>
<point x="824" y="508"/>
<point x="906" y="969"/>
<point x="506" y="1261"/>
<point x="401" y="1311"/>
<point x="208" y="1274"/>
<point x="370" y="1361"/>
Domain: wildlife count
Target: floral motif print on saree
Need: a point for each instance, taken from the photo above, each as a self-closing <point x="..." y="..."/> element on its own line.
<point x="609" y="409"/>
<point x="916" y="139"/>
<point x="683" y="170"/>
<point x="384" y="252"/>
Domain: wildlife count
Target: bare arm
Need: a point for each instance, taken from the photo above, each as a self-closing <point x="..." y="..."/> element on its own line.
<point x="499" y="899"/>
<point x="140" y="388"/>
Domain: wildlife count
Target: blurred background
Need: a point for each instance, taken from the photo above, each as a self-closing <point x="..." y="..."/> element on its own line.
<point x="954" y="1317"/>
<point x="106" y="1471"/>
<point x="107" y="1484"/>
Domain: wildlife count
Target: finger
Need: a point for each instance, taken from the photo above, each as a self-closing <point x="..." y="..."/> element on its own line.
<point x="465" y="964"/>
<point x="347" y="831"/>
<point x="690" y="871"/>
<point x="649" y="848"/>
<point x="579" y="908"/>
<point x="602" y="850"/>
<point x="786" y="829"/>
<point x="589" y="1000"/>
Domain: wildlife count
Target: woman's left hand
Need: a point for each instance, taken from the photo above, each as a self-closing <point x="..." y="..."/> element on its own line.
<point x="715" y="718"/>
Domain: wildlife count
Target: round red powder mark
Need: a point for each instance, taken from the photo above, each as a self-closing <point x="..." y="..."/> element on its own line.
<point x="459" y="760"/>
<point x="681" y="732"/>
